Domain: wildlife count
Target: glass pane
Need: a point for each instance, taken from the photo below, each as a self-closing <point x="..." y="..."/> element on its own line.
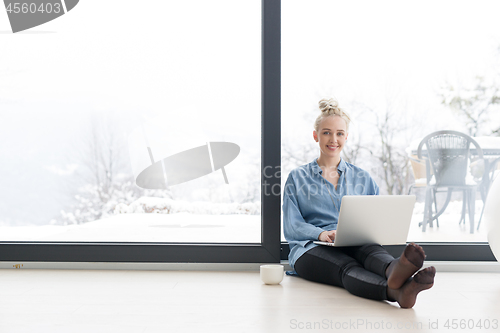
<point x="133" y="122"/>
<point x="402" y="70"/>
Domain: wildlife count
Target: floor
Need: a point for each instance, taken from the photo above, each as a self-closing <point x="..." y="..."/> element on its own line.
<point x="36" y="300"/>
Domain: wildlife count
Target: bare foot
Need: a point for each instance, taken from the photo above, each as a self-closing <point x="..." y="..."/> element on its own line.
<point x="407" y="295"/>
<point x="401" y="269"/>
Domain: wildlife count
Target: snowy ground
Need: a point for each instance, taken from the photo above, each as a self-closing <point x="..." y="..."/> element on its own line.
<point x="179" y="227"/>
<point x="449" y="230"/>
<point x="196" y="228"/>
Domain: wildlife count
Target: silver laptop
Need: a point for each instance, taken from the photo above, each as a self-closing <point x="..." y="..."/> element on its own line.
<point x="382" y="219"/>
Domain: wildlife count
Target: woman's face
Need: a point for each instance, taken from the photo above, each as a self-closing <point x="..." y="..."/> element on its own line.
<point x="332" y="136"/>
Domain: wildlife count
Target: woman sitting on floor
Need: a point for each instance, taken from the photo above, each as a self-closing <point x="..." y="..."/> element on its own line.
<point x="368" y="271"/>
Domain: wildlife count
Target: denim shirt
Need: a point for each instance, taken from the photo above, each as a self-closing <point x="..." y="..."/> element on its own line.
<point x="308" y="209"/>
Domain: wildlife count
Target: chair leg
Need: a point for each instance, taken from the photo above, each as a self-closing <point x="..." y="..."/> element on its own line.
<point x="411" y="187"/>
<point x="464" y="207"/>
<point x="432" y="198"/>
<point x="472" y="207"/>
<point x="427" y="208"/>
<point x="430" y="221"/>
<point x="435" y="206"/>
<point x="483" y="191"/>
<point x="480" y="217"/>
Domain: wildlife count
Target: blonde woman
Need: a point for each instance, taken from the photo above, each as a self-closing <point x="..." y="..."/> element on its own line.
<point x="311" y="203"/>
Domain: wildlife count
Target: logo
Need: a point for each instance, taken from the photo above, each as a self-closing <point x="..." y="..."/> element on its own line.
<point x="31" y="13"/>
<point x="187" y="165"/>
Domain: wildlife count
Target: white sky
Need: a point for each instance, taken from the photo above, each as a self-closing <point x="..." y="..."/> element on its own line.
<point x="368" y="51"/>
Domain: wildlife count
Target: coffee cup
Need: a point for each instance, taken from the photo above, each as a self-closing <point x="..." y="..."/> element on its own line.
<point x="271" y="274"/>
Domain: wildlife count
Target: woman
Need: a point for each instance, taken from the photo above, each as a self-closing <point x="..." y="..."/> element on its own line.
<point x="311" y="203"/>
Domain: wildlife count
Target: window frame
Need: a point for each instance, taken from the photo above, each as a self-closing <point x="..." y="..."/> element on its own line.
<point x="271" y="250"/>
<point x="460" y="251"/>
<point x="268" y="251"/>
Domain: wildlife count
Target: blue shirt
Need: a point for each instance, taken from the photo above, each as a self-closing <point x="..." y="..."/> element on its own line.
<point x="308" y="209"/>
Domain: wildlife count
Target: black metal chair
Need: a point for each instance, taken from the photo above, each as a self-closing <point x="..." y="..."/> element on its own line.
<point x="448" y="155"/>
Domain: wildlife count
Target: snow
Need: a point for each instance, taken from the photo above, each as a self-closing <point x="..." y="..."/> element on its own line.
<point x="178" y="227"/>
<point x="488" y="142"/>
<point x="449" y="229"/>
<point x="231" y="228"/>
<point x="168" y="206"/>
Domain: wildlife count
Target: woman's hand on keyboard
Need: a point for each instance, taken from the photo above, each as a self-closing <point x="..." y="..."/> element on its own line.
<point x="327" y="236"/>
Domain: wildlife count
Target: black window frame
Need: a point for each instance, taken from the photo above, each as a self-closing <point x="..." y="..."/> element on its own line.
<point x="268" y="251"/>
<point x="271" y="250"/>
<point x="458" y="251"/>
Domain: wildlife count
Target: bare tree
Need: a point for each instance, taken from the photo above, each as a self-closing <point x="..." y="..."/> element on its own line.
<point x="474" y="104"/>
<point x="252" y="188"/>
<point x="393" y="159"/>
<point x="294" y="154"/>
<point x="355" y="148"/>
<point x="103" y="158"/>
<point x="388" y="148"/>
<point x="103" y="178"/>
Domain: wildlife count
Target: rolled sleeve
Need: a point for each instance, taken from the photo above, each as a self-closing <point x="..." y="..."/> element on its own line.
<point x="295" y="228"/>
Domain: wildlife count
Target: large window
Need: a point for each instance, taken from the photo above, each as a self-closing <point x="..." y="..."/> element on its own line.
<point x="145" y="129"/>
<point x="136" y="125"/>
<point x="114" y="95"/>
<point x="402" y="70"/>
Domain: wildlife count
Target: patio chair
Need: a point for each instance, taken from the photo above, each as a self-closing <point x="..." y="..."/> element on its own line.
<point x="492" y="172"/>
<point x="448" y="155"/>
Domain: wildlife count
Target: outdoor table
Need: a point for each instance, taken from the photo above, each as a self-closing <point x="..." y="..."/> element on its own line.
<point x="491" y="154"/>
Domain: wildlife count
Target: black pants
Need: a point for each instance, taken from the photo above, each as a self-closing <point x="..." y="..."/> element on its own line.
<point x="358" y="269"/>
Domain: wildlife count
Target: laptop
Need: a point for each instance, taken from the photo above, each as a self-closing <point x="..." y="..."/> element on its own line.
<point x="381" y="219"/>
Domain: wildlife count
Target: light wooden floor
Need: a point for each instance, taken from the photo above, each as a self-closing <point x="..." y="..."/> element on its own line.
<point x="94" y="301"/>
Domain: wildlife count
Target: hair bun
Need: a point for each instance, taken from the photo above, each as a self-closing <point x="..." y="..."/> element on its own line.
<point x="325" y="105"/>
<point x="330" y="107"/>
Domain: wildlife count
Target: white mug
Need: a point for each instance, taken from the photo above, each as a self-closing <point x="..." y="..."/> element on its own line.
<point x="271" y="274"/>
